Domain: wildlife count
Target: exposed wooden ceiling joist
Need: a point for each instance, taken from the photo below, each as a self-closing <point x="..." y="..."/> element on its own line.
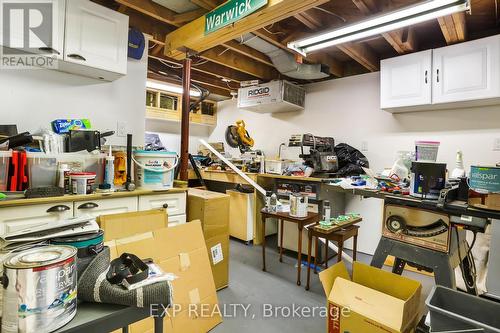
<point x="192" y="36"/>
<point x="257" y="64"/>
<point x="453" y="27"/>
<point x="205" y="4"/>
<point x="402" y="40"/>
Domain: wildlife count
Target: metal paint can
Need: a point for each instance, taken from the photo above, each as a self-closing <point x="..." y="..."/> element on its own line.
<point x="298" y="205"/>
<point x="39" y="289"/>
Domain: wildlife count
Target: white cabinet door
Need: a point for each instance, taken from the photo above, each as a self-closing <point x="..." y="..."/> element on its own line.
<point x="17" y="218"/>
<point x="468" y="71"/>
<point x="97" y="208"/>
<point x="45" y="20"/>
<point x="96" y="36"/>
<point x="175" y="203"/>
<point x="406" y="80"/>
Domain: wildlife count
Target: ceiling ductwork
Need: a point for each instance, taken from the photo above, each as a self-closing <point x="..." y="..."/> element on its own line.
<point x="285" y="61"/>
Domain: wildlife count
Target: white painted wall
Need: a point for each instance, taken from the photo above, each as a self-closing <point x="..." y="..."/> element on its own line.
<point x="33" y="98"/>
<point x="348" y="109"/>
<point x="170" y="134"/>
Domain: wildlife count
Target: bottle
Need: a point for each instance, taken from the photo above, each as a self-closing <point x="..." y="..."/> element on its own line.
<point x="459" y="170"/>
<point x="109" y="173"/>
<point x="268" y="200"/>
<point x="63" y="177"/>
<point x="273" y="202"/>
<point x="327" y="212"/>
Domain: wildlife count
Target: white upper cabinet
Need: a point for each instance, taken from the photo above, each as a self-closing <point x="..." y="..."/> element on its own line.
<point x="406" y="80"/>
<point x="96" y="36"/>
<point x="467" y="71"/>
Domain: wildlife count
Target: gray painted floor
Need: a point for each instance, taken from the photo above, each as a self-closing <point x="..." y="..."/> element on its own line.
<point x="251" y="287"/>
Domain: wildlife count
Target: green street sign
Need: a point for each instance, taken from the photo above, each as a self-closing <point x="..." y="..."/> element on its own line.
<point x="230" y="12"/>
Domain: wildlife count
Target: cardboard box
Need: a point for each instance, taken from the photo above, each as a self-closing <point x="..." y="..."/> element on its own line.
<point x="118" y="226"/>
<point x="181" y="251"/>
<point x="212" y="209"/>
<point x="374" y="300"/>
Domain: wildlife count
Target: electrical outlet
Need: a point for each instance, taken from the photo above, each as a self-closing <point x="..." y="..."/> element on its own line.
<point x="496" y="144"/>
<point x="364" y="146"/>
<point x="121" y="129"/>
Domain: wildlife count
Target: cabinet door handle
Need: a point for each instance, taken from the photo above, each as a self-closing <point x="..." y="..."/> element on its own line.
<point x="437" y="75"/>
<point x="426" y="76"/>
<point x="165" y="205"/>
<point x="58" y="209"/>
<point x="76" y="56"/>
<point x="88" y="205"/>
<point x="49" y="50"/>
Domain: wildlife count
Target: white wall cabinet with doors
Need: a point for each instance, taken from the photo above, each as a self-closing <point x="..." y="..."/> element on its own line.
<point x="13" y="218"/>
<point x="89" y="39"/>
<point x="461" y="75"/>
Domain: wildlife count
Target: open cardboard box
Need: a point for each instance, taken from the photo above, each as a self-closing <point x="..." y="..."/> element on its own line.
<point x="373" y="300"/>
<point x="182" y="251"/>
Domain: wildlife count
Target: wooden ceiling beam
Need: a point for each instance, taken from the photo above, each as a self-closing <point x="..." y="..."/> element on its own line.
<point x="453" y="27"/>
<point x="205" y="4"/>
<point x="188" y="16"/>
<point x="151" y="9"/>
<point x="192" y="37"/>
<point x="248" y="51"/>
<point x="362" y="54"/>
<point x="309" y="20"/>
<point x="402" y="40"/>
<point x="226" y="57"/>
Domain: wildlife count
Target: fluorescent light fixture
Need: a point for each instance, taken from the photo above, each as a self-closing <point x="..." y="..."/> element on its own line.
<point x="383" y="23"/>
<point x="170" y="88"/>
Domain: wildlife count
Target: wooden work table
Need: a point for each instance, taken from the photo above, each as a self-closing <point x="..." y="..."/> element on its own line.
<point x="76" y="198"/>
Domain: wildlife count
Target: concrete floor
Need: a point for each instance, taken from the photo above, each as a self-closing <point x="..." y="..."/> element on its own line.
<point x="254" y="289"/>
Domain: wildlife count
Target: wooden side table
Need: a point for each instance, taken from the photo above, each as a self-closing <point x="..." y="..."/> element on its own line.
<point x="338" y="235"/>
<point x="301" y="222"/>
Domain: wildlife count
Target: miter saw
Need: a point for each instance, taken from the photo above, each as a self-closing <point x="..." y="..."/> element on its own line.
<point x="237" y="137"/>
<point x="322" y="157"/>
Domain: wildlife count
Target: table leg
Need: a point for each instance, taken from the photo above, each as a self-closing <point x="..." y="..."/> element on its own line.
<point x="326" y="252"/>
<point x="158" y="324"/>
<point x="263" y="243"/>
<point x="355" y="247"/>
<point x="282" y="225"/>
<point x="299" y="254"/>
<point x="341" y="248"/>
<point x="316" y="254"/>
<point x="309" y="249"/>
<point x="125" y="329"/>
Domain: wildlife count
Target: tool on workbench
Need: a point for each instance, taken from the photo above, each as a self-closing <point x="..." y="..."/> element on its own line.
<point x="129" y="185"/>
<point x="238" y="137"/>
<point x="322" y="157"/>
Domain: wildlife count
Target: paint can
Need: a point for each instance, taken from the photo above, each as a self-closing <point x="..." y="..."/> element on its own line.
<point x="82" y="182"/>
<point x="154" y="170"/>
<point x="39" y="289"/>
<point x="298" y="205"/>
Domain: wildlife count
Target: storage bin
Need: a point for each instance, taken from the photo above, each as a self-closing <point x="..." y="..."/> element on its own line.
<point x="4" y="169"/>
<point x="42" y="169"/>
<point x="452" y="310"/>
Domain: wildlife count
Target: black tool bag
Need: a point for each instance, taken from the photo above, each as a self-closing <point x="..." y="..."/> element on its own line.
<point x="93" y="285"/>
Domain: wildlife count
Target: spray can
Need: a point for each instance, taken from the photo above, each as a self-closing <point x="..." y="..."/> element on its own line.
<point x="268" y="199"/>
<point x="109" y="173"/>
<point x="273" y="202"/>
<point x="327" y="212"/>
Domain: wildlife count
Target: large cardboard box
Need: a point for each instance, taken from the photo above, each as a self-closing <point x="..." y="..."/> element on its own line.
<point x="372" y="300"/>
<point x="123" y="225"/>
<point x="181" y="251"/>
<point x="212" y="209"/>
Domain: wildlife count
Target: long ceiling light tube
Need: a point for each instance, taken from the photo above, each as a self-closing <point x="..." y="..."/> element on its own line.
<point x="383" y="23"/>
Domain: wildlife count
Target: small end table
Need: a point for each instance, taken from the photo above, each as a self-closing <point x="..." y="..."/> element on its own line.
<point x="339" y="235"/>
<point x="301" y="222"/>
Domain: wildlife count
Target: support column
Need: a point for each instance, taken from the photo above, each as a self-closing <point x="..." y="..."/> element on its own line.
<point x="186" y="105"/>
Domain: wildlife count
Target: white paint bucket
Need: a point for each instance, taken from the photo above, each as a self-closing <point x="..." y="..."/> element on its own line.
<point x="82" y="182"/>
<point x="154" y="170"/>
<point x="298" y="205"/>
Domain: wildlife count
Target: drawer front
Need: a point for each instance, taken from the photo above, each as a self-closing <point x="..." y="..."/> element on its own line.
<point x="176" y="220"/>
<point x="175" y="203"/>
<point x="97" y="208"/>
<point x="17" y="218"/>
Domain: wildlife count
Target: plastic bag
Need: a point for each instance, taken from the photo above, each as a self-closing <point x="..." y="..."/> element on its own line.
<point x="351" y="160"/>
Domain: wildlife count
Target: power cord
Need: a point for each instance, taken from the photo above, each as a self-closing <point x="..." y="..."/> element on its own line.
<point x="470" y="284"/>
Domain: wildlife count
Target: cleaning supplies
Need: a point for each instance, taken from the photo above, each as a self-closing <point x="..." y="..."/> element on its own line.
<point x="459" y="170"/>
<point x="109" y="172"/>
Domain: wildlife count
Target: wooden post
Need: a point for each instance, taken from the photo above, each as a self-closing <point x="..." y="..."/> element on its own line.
<point x="186" y="105"/>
